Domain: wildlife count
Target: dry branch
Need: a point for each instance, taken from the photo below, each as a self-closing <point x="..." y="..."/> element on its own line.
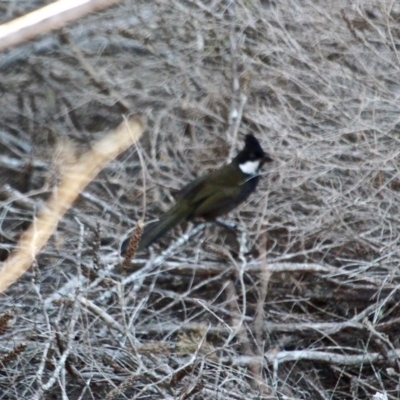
<point x="53" y="16"/>
<point x="314" y="277"/>
<point x="74" y="181"/>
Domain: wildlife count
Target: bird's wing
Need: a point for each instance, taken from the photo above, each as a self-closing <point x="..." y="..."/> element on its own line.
<point x="216" y="193"/>
<point x="192" y="188"/>
<point x="211" y="202"/>
<point x="200" y="187"/>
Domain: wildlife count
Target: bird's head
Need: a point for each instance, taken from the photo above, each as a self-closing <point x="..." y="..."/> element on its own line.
<point x="252" y="157"/>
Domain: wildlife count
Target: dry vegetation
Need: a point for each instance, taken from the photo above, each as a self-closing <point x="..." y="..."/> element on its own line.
<point x="305" y="303"/>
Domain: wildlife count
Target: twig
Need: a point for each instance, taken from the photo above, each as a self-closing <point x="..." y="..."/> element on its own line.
<point x="310" y="355"/>
<point x="256" y="367"/>
<point x="52" y="16"/>
<point x="73" y="183"/>
<point x="239" y="99"/>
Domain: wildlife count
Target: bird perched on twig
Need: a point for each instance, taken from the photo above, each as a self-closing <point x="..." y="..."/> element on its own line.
<point x="211" y="195"/>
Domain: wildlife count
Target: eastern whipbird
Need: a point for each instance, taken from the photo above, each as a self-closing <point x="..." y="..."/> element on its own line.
<point x="211" y="195"/>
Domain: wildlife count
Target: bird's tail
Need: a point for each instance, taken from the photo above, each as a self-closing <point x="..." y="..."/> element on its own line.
<point x="155" y="230"/>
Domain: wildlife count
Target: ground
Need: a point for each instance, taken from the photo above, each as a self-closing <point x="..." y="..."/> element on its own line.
<point x="303" y="302"/>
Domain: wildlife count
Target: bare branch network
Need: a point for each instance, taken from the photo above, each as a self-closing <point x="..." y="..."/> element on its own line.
<point x="303" y="302"/>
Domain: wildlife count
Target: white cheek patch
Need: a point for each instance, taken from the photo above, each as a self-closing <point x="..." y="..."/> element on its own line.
<point x="250" y="167"/>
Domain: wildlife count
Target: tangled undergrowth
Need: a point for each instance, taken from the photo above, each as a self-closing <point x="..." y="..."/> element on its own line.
<point x="303" y="303"/>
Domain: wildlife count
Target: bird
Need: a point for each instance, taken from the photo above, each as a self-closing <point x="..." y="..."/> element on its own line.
<point x="211" y="195"/>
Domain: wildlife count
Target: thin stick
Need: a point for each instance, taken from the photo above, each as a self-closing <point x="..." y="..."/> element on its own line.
<point x="73" y="182"/>
<point x="45" y="19"/>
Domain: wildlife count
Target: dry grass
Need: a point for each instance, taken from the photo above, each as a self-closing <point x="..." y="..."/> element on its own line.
<point x="304" y="304"/>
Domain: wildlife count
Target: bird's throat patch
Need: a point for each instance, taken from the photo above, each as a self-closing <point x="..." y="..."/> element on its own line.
<point x="250" y="167"/>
